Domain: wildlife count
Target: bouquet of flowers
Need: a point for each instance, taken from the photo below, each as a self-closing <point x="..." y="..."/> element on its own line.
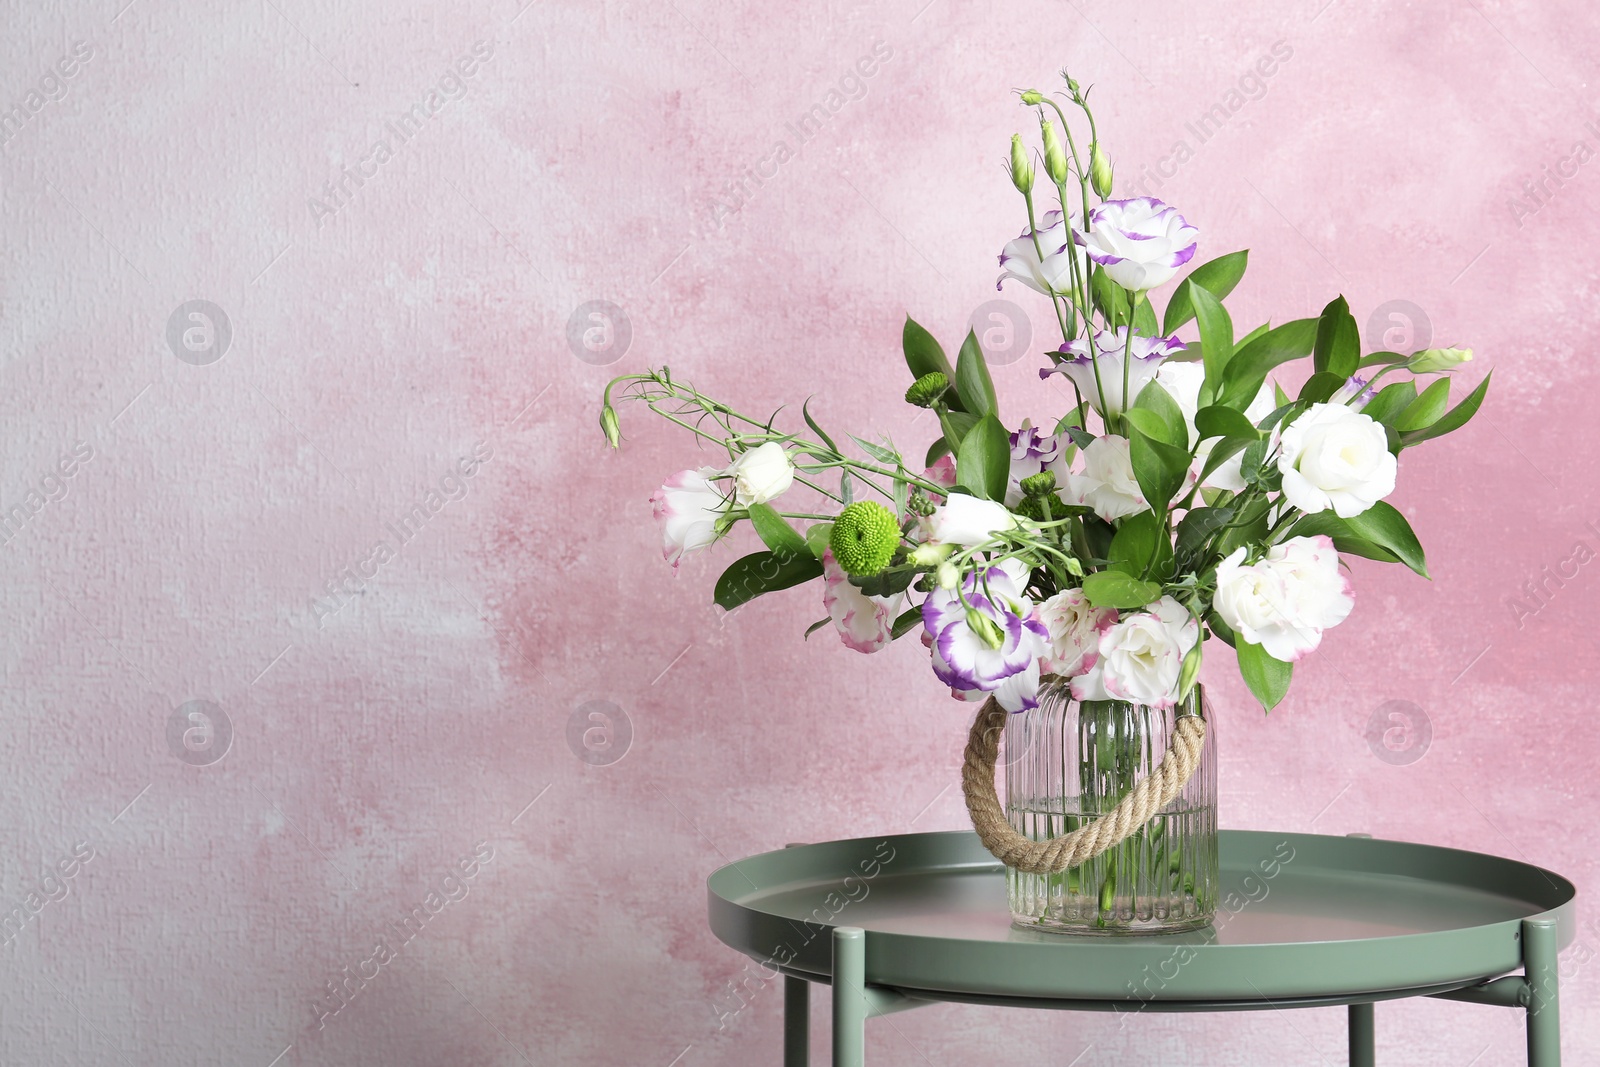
<point x="1184" y="495"/>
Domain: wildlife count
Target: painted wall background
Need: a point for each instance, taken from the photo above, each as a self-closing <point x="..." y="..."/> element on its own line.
<point x="386" y="724"/>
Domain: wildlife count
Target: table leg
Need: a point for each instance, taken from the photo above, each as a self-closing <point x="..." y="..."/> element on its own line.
<point x="1539" y="964"/>
<point x="849" y="996"/>
<point x="796" y="1022"/>
<point x="1362" y="1053"/>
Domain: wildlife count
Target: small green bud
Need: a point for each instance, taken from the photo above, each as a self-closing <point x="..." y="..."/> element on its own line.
<point x="1074" y="568"/>
<point x="929" y="555"/>
<point x="1021" y="169"/>
<point x="610" y="426"/>
<point x="864" y="538"/>
<point x="1055" y="156"/>
<point x="927" y="389"/>
<point x="1032" y="97"/>
<point x="919" y="504"/>
<point x="1189" y="673"/>
<point x="1072" y="84"/>
<point x="1438" y="360"/>
<point x="948" y="575"/>
<point x="1038" y="484"/>
<point x="985" y="628"/>
<point x="1099" y="171"/>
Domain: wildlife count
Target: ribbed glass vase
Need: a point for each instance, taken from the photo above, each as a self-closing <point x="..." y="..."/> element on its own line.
<point x="1067" y="763"/>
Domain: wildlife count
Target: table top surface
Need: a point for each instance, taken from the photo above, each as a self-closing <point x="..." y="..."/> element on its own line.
<point x="1302" y="919"/>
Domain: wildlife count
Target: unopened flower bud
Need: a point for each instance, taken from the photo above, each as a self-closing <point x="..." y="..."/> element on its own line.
<point x="1438" y="360"/>
<point x="610" y="426"/>
<point x="948" y="575"/>
<point x="927" y="389"/>
<point x="929" y="555"/>
<point x="1038" y="484"/>
<point x="1055" y="157"/>
<point x="1032" y="97"/>
<point x="1021" y="169"/>
<point x="1099" y="171"/>
<point x="1189" y="673"/>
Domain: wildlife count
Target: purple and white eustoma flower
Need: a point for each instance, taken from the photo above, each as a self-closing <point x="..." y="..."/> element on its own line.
<point x="989" y="600"/>
<point x="1031" y="452"/>
<point x="1020" y="260"/>
<point x="1139" y="243"/>
<point x="1104" y="392"/>
<point x="1354" y="389"/>
<point x="865" y="623"/>
<point x="1287" y="599"/>
<point x="689" y="506"/>
<point x="1141" y="657"/>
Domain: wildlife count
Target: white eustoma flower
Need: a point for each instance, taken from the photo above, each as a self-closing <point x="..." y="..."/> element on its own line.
<point x="689" y="506"/>
<point x="1107" y="483"/>
<point x="865" y="623"/>
<point x="1141" y="657"/>
<point x="1139" y="243"/>
<point x="761" y="474"/>
<point x="1182" y="381"/>
<point x="967" y="520"/>
<point x="1073" y="626"/>
<point x="1333" y="457"/>
<point x="1020" y="259"/>
<point x="1286" y="600"/>
<point x="1098" y="372"/>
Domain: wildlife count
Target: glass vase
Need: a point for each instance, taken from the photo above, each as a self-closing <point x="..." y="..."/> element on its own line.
<point x="1068" y="763"/>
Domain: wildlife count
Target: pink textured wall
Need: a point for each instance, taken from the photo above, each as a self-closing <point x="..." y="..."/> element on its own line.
<point x="401" y="702"/>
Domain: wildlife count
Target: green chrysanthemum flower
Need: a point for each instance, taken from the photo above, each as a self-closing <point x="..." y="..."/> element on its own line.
<point x="864" y="538"/>
<point x="1038" y="484"/>
<point x="926" y="389"/>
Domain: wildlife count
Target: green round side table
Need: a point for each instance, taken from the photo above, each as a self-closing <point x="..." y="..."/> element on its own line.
<point x="1303" y="920"/>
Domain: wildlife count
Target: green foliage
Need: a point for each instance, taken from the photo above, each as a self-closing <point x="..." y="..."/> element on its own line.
<point x="774" y="532"/>
<point x="1217" y="277"/>
<point x="1338" y="345"/>
<point x="983" y="462"/>
<point x="1114" y="589"/>
<point x="973" y="384"/>
<point x="1267" y="678"/>
<point x="763" y="572"/>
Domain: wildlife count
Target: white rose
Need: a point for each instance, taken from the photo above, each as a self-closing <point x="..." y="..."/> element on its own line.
<point x="1141" y="657"/>
<point x="1107" y="483"/>
<point x="1284" y="602"/>
<point x="1074" y="627"/>
<point x="760" y="474"/>
<point x="967" y="520"/>
<point x="1333" y="457"/>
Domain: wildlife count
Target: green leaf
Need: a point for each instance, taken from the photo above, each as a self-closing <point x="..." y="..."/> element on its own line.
<point x="1223" y="631"/>
<point x="878" y="452"/>
<point x="1326" y="523"/>
<point x="1390" y="402"/>
<point x="773" y="531"/>
<point x="1456" y="419"/>
<point x="1267" y="678"/>
<point x="1198" y="525"/>
<point x="1224" y="450"/>
<point x="763" y="572"/>
<point x="818" y="430"/>
<point x="1216" y="335"/>
<point x="1109" y="297"/>
<point x="1144" y="319"/>
<point x="1251" y="528"/>
<point x="972" y="378"/>
<point x="1141" y="547"/>
<point x="935" y="450"/>
<point x="956" y="426"/>
<point x="814" y="627"/>
<point x="817" y="538"/>
<point x="1338" y="347"/>
<point x="1425" y="410"/>
<point x="1251" y="364"/>
<point x="905" y="622"/>
<point x="1169" y="425"/>
<point x="1218" y="277"/>
<point x="1218" y="421"/>
<point x="1114" y="589"/>
<point x="923" y="354"/>
<point x="1380" y="358"/>
<point x="1159" y="468"/>
<point x="1320" y="386"/>
<point x="885" y="583"/>
<point x="983" y="463"/>
<point x="1387" y="528"/>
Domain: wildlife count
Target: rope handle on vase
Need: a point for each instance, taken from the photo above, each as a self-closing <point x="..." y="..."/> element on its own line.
<point x="1142" y="804"/>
